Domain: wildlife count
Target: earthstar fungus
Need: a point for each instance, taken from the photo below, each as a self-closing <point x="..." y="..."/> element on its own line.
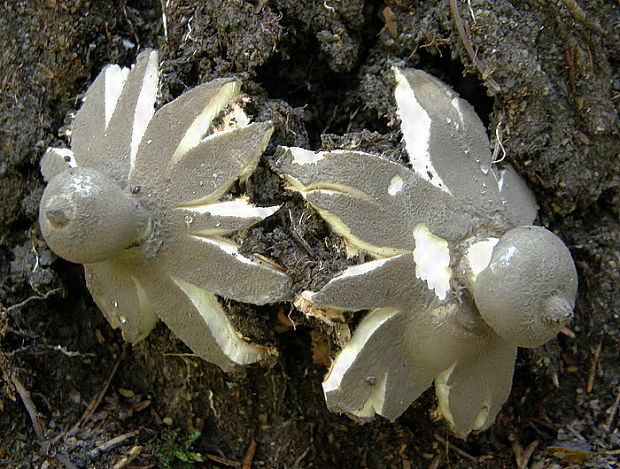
<point x="460" y="278"/>
<point x="140" y="200"/>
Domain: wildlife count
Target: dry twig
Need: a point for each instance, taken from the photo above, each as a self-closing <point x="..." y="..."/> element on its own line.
<point x="125" y="460"/>
<point x="522" y="456"/>
<point x="65" y="461"/>
<point x="32" y="298"/>
<point x="581" y="16"/>
<point x="479" y="64"/>
<point x="301" y="457"/>
<point x="593" y="367"/>
<point x="249" y="456"/>
<point x="612" y="413"/>
<point x="108" y="445"/>
<point x="456" y="449"/>
<point x="222" y="461"/>
<point x="30" y="407"/>
<point x="435" y="462"/>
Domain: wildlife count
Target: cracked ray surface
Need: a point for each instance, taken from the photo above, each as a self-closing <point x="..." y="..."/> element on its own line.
<point x="460" y="278"/>
<point x="140" y="200"/>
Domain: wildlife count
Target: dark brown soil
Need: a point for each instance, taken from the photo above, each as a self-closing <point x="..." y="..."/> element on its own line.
<point x="545" y="72"/>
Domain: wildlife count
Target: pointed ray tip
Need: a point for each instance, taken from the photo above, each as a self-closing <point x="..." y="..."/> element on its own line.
<point x="229" y="89"/>
<point x="398" y="73"/>
<point x="148" y="54"/>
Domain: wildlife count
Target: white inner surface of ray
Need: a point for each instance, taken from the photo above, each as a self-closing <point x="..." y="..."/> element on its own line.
<point x="115" y="78"/>
<point x="303" y="156"/>
<point x="355" y="243"/>
<point x="238" y="208"/>
<point x="479" y="255"/>
<point x="442" y="390"/>
<point x="432" y="259"/>
<point x="396" y="185"/>
<point x="349" y="354"/>
<point x="362" y="269"/>
<point x="336" y="223"/>
<point x="202" y="123"/>
<point x="500" y="179"/>
<point x="228" y="247"/>
<point x="374" y="404"/>
<point x="483" y="415"/>
<point x="148" y="318"/>
<point x="416" y="128"/>
<point x="220" y="328"/>
<point x="337" y="189"/>
<point x="145" y="106"/>
<point x="457" y="105"/>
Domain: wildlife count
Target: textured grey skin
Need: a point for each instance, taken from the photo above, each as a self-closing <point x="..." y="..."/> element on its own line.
<point x="375" y="289"/>
<point x="143" y="229"/>
<point x="479" y="383"/>
<point x="229" y="160"/>
<point x="206" y="224"/>
<point x="463" y="159"/>
<point x="106" y="147"/>
<point x="516" y="195"/>
<point x="113" y="286"/>
<point x="364" y="204"/>
<point x="412" y="336"/>
<point x="528" y="290"/>
<point x="403" y="380"/>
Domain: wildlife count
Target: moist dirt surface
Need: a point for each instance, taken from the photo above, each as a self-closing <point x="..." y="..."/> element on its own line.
<point x="542" y="75"/>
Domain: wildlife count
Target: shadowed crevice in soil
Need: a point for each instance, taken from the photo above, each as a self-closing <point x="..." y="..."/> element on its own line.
<point x="301" y="74"/>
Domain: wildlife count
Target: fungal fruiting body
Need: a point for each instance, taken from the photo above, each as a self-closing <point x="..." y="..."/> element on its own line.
<point x="460" y="277"/>
<point x="141" y="200"/>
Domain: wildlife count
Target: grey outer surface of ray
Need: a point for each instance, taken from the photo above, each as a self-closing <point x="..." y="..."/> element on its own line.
<point x="460" y="277"/>
<point x="140" y="200"/>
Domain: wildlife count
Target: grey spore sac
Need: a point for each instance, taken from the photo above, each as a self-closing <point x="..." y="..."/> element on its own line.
<point x="460" y="277"/>
<point x="141" y="200"/>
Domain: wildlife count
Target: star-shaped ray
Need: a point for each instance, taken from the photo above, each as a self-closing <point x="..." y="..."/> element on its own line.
<point x="165" y="175"/>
